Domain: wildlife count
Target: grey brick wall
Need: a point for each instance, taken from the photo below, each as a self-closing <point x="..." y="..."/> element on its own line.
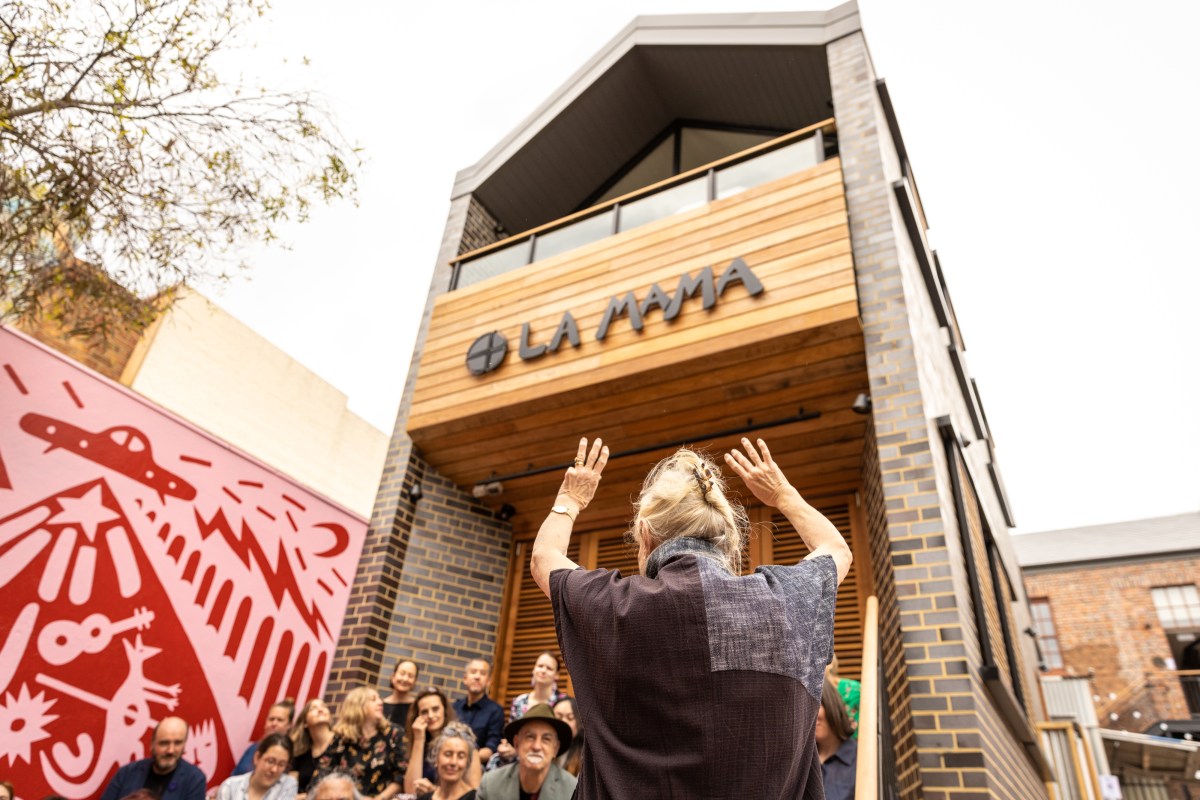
<point x="963" y="748"/>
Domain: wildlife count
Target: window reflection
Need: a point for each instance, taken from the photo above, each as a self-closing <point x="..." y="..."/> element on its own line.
<point x="657" y="166"/>
<point x="494" y="263"/>
<point x="775" y="164"/>
<point x="577" y="234"/>
<point x="700" y="145"/>
<point x="675" y="200"/>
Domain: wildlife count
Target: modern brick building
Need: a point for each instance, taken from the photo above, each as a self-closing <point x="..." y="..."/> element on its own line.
<point x="711" y="228"/>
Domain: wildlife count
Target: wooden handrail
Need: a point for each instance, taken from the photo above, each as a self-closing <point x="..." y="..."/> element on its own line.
<point x="866" y="777"/>
<point x="825" y="125"/>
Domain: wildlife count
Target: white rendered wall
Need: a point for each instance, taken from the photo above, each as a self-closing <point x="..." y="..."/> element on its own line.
<point x="212" y="370"/>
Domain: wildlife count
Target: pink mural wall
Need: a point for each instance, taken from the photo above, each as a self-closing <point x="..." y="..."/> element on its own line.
<point x="147" y="569"/>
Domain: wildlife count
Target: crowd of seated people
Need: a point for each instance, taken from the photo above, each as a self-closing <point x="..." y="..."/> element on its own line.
<point x="437" y="753"/>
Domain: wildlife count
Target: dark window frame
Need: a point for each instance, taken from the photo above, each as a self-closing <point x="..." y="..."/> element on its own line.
<point x="1040" y="636"/>
<point x="672" y="130"/>
<point x="1009" y="701"/>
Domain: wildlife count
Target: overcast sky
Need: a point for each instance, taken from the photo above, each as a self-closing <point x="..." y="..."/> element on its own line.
<point x="1054" y="145"/>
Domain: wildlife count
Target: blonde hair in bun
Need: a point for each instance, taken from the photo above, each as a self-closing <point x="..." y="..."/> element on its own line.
<point x="685" y="495"/>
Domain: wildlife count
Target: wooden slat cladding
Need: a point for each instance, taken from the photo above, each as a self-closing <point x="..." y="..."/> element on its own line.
<point x="796" y="343"/>
<point x="528" y="627"/>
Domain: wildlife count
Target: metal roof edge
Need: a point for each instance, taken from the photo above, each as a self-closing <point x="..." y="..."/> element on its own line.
<point x="764" y="28"/>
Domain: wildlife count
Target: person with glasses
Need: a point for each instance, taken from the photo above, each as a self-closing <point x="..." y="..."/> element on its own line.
<point x="268" y="780"/>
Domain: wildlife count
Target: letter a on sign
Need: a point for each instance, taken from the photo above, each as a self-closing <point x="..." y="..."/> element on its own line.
<point x="739" y="272"/>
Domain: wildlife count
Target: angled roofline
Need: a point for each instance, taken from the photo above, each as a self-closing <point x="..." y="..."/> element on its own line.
<point x="1130" y="541"/>
<point x="773" y="28"/>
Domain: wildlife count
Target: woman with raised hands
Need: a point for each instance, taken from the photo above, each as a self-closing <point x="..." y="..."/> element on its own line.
<point x="691" y="626"/>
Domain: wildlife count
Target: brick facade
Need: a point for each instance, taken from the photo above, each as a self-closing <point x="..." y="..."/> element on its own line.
<point x="903" y="737"/>
<point x="481" y="229"/>
<point x="451" y="585"/>
<point x="964" y="749"/>
<point x="108" y="355"/>
<point x="1108" y="629"/>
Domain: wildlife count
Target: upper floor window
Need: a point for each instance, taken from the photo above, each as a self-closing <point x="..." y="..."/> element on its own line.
<point x="680" y="148"/>
<point x="1177" y="606"/>
<point x="1047" y="634"/>
<point x="722" y="175"/>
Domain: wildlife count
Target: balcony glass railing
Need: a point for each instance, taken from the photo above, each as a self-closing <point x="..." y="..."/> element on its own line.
<point x="693" y="189"/>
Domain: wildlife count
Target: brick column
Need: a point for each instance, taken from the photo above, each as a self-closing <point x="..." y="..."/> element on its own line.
<point x="963" y="749"/>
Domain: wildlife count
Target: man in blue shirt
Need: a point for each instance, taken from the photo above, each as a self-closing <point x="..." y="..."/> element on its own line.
<point x="482" y="713"/>
<point x="279" y="720"/>
<point x="164" y="773"/>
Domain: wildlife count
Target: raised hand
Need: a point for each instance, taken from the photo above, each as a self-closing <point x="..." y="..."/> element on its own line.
<point x="761" y="474"/>
<point x="581" y="480"/>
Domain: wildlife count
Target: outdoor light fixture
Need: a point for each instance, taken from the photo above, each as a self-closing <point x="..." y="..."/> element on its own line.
<point x="862" y="404"/>
<point x="492" y="489"/>
<point x="506" y="512"/>
<point x="414" y="492"/>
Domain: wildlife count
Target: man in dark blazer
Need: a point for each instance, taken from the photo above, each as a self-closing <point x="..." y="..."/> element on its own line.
<point x="538" y="738"/>
<point x="164" y="773"/>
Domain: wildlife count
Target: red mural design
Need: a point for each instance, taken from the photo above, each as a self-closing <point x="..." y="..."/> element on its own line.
<point x="147" y="569"/>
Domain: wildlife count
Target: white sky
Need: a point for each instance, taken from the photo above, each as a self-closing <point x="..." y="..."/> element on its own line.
<point x="1054" y="144"/>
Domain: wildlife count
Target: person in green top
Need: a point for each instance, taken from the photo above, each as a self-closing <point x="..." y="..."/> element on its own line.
<point x="848" y="689"/>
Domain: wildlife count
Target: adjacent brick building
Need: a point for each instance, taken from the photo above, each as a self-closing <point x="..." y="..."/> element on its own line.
<point x="1120" y="603"/>
<point x="711" y="228"/>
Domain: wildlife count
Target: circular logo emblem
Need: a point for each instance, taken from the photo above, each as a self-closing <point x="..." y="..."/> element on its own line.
<point x="486" y="353"/>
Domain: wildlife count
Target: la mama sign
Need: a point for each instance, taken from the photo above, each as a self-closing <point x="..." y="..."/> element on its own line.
<point x="488" y="352"/>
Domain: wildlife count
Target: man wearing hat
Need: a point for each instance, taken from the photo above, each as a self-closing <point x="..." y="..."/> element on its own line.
<point x="538" y="738"/>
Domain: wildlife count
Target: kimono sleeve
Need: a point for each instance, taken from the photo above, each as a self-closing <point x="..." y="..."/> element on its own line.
<point x="582" y="600"/>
